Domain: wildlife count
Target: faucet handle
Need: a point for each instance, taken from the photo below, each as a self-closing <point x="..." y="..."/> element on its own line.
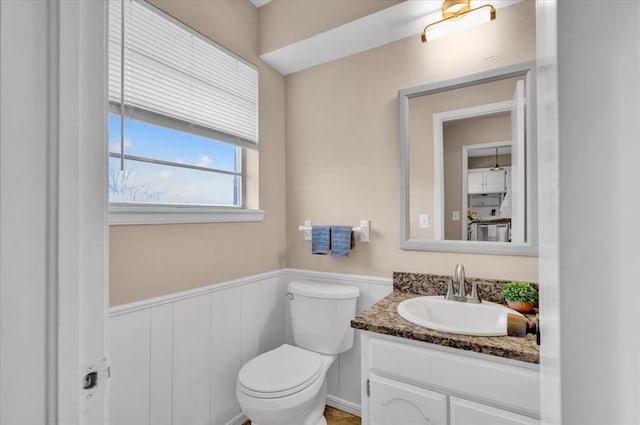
<point x="449" y="290"/>
<point x="475" y="297"/>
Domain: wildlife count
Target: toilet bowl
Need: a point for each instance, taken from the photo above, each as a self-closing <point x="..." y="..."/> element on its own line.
<point x="287" y="385"/>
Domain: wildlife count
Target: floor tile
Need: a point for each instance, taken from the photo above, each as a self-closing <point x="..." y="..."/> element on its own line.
<point x="335" y="417"/>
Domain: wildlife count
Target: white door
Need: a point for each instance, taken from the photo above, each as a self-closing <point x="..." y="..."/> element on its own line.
<point x="53" y="283"/>
<point x="518" y="164"/>
<point x="393" y="402"/>
<point x="464" y="412"/>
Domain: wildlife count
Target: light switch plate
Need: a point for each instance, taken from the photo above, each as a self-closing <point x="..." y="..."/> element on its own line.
<point x="455" y="215"/>
<point x="423" y="221"/>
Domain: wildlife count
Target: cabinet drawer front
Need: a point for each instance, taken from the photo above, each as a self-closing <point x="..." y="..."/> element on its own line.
<point x="464" y="412"/>
<point x="393" y="402"/>
<point x="516" y="388"/>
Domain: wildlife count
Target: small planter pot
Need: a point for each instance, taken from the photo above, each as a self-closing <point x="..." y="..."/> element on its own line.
<point x="520" y="306"/>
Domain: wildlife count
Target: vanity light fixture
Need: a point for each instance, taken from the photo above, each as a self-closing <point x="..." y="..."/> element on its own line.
<point x="456" y="16"/>
<point x="497" y="167"/>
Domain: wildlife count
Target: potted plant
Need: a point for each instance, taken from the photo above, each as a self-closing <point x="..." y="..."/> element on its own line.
<point x="520" y="296"/>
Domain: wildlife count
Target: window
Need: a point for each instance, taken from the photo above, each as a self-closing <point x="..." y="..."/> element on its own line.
<point x="182" y="112"/>
<point x="165" y="166"/>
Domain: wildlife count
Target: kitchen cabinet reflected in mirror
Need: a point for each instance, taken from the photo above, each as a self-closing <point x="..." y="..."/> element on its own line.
<point x="469" y="152"/>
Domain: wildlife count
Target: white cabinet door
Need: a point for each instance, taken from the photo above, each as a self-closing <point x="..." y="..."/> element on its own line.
<point x="464" y="412"/>
<point x="393" y="402"/>
<point x="485" y="181"/>
<point x="494" y="181"/>
<point x="475" y="181"/>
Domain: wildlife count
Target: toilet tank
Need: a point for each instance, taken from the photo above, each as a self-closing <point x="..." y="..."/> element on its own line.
<point x="321" y="314"/>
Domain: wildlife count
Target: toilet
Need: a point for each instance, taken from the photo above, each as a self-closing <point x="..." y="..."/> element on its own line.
<point x="287" y="386"/>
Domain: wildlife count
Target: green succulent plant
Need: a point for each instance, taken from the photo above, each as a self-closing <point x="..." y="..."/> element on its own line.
<point x="519" y="291"/>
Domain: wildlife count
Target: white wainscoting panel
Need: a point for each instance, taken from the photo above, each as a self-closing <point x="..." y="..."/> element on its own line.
<point x="333" y="378"/>
<point x="226" y="353"/>
<point x="191" y="361"/>
<point x="250" y="324"/>
<point x="175" y="359"/>
<point x="129" y="343"/>
<point x="161" y="365"/>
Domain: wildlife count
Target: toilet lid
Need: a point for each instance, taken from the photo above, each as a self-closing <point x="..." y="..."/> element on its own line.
<point x="280" y="372"/>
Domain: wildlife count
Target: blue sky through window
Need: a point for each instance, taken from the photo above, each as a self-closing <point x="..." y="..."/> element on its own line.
<point x="143" y="182"/>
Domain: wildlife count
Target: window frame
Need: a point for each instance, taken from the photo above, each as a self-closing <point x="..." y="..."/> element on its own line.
<point x="140" y="213"/>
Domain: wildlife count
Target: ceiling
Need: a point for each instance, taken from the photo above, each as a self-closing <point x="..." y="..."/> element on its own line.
<point x="403" y="20"/>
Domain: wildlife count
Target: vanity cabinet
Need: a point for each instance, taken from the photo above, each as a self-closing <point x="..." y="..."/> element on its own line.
<point x="486" y="181"/>
<point x="394" y="402"/>
<point x="414" y="383"/>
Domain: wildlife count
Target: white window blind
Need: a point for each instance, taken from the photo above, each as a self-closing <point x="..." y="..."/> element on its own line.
<point x="174" y="77"/>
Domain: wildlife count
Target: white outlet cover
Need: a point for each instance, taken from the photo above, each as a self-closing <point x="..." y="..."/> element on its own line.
<point x="423" y="221"/>
<point x="455" y="215"/>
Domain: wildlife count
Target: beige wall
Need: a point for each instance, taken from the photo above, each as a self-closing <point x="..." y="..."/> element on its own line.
<point x="456" y="134"/>
<point x="283" y="22"/>
<point x="342" y="144"/>
<point x="341" y="155"/>
<point x="152" y="260"/>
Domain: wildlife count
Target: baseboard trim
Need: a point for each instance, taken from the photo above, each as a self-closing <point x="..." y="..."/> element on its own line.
<point x="238" y="420"/>
<point x="345" y="406"/>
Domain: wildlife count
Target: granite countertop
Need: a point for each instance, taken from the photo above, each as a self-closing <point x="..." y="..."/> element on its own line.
<point x="490" y="220"/>
<point x="383" y="318"/>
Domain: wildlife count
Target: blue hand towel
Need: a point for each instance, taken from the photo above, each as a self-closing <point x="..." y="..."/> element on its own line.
<point x="320" y="239"/>
<point x="341" y="241"/>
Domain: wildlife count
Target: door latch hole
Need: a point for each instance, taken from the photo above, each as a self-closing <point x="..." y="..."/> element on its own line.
<point x="90" y="380"/>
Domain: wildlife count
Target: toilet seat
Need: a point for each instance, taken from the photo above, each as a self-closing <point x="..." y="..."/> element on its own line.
<point x="280" y="372"/>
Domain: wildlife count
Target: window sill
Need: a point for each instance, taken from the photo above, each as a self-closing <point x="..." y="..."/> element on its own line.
<point x="120" y="215"/>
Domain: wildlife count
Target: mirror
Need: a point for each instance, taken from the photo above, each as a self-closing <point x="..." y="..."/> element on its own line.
<point x="467" y="163"/>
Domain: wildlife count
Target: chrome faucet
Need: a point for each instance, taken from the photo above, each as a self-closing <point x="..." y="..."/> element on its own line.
<point x="458" y="275"/>
<point x="461" y="296"/>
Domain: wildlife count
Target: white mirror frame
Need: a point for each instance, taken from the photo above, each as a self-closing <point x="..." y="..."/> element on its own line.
<point x="530" y="247"/>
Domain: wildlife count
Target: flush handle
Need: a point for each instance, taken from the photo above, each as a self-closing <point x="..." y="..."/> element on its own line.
<point x="290" y="295"/>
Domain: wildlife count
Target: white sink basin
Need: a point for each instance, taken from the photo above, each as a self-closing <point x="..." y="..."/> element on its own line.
<point x="483" y="319"/>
